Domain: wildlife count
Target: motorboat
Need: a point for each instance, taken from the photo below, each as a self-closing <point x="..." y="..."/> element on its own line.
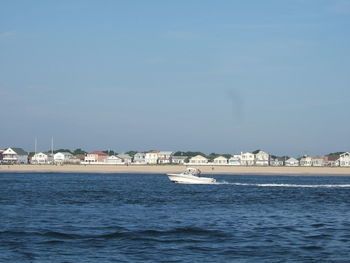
<point x="190" y="176"/>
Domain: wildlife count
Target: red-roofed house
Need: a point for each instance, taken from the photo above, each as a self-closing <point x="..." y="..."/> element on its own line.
<point x="95" y="157"/>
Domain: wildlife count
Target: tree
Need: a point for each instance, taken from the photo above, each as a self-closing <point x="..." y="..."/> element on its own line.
<point x="131" y="153"/>
<point x="256" y="151"/>
<point x="336" y="153"/>
<point x="79" y="151"/>
<point x="62" y="150"/>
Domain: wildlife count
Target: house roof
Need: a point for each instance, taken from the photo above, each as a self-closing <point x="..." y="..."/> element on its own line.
<point x="220" y="158"/>
<point x="20" y="151"/>
<point x="124" y="156"/>
<point x="179" y="157"/>
<point x="165" y="153"/>
<point x="333" y="157"/>
<point x="98" y="153"/>
<point x="199" y="157"/>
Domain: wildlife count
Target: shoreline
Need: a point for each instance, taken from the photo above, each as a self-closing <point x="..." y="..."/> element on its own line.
<point x="163" y="169"/>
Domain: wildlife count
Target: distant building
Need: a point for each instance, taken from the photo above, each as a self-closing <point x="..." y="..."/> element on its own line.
<point x="95" y="157"/>
<point x="306" y="161"/>
<point x="344" y="159"/>
<point x="278" y="161"/>
<point x="127" y="159"/>
<point x="292" y="162"/>
<point x="151" y="157"/>
<point x="221" y="160"/>
<point x="113" y="159"/>
<point x="332" y="160"/>
<point x="262" y="158"/>
<point x="198" y="160"/>
<point x="15" y="156"/>
<point x="42" y="158"/>
<point x="247" y="159"/>
<point x="164" y="157"/>
<point x="62" y="157"/>
<point x="235" y="160"/>
<point x="318" y="161"/>
<point x="1" y="151"/>
<point x="139" y="158"/>
<point x="178" y="159"/>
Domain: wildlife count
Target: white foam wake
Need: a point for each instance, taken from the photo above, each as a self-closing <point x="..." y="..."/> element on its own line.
<point x="290" y="185"/>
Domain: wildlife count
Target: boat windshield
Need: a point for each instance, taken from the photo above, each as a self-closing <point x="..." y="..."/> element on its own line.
<point x="192" y="171"/>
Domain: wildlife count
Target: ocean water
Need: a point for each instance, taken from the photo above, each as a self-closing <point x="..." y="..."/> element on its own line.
<point x="146" y="218"/>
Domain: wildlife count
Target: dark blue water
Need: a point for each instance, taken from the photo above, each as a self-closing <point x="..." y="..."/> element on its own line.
<point x="146" y="218"/>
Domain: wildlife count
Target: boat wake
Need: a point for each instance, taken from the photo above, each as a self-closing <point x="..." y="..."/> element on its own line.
<point x="288" y="185"/>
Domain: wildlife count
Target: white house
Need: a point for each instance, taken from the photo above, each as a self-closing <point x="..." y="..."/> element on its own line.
<point x="95" y="157"/>
<point x="151" y="157"/>
<point x="114" y="160"/>
<point x="164" y="157"/>
<point x="15" y="156"/>
<point x="318" y="161"/>
<point x="279" y="161"/>
<point x="247" y="158"/>
<point x="127" y="159"/>
<point x="139" y="158"/>
<point x="42" y="158"/>
<point x="344" y="159"/>
<point x="332" y="160"/>
<point x="198" y="160"/>
<point x="62" y="157"/>
<point x="306" y="161"/>
<point x="262" y="158"/>
<point x="292" y="162"/>
<point x="235" y="160"/>
<point x="220" y="160"/>
<point x="178" y="159"/>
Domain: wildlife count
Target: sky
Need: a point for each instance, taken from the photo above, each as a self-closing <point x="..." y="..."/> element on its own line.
<point x="192" y="75"/>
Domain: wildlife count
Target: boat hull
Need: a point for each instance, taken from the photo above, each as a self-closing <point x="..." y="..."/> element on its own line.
<point x="190" y="179"/>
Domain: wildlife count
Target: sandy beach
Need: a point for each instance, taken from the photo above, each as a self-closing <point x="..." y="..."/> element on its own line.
<point x="163" y="169"/>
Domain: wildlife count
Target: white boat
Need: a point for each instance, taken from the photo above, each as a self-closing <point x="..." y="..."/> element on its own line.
<point x="190" y="176"/>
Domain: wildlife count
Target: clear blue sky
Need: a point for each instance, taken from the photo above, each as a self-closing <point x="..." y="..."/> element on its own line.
<point x="213" y="76"/>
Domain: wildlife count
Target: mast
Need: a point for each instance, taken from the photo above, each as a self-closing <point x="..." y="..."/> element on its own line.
<point x="35" y="143"/>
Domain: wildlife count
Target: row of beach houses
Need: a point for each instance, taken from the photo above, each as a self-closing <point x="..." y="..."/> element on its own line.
<point x="261" y="158"/>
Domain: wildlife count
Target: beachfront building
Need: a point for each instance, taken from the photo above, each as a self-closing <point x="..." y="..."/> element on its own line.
<point x="42" y="158"/>
<point x="235" y="160"/>
<point x="1" y="151"/>
<point x="247" y="159"/>
<point x="332" y="160"/>
<point x="292" y="162"/>
<point x="151" y="157"/>
<point x="221" y="160"/>
<point x="81" y="157"/>
<point x="62" y="157"/>
<point x="139" y="158"/>
<point x="95" y="157"/>
<point x="306" y="161"/>
<point x="164" y="157"/>
<point x="278" y="161"/>
<point x="198" y="160"/>
<point x="178" y="159"/>
<point x="344" y="159"/>
<point x="318" y="161"/>
<point x="262" y="158"/>
<point x="127" y="159"/>
<point x="113" y="159"/>
<point x="15" y="156"/>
